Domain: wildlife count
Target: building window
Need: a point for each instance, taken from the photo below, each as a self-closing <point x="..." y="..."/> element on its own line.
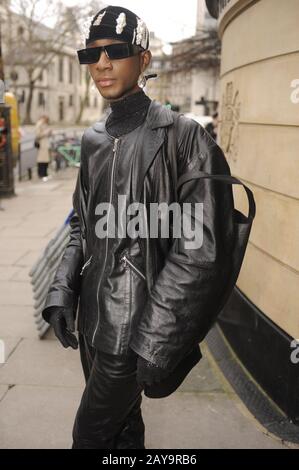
<point x="20" y="31"/>
<point x="41" y="76"/>
<point x="70" y="71"/>
<point x="60" y="69"/>
<point x="71" y="100"/>
<point x="41" y="99"/>
<point x="61" y="108"/>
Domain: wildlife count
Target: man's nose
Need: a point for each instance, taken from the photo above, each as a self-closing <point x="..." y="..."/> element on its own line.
<point x="103" y="61"/>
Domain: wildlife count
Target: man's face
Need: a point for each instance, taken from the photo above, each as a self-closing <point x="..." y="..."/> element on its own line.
<point x="118" y="78"/>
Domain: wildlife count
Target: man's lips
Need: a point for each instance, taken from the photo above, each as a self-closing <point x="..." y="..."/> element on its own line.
<point x="103" y="82"/>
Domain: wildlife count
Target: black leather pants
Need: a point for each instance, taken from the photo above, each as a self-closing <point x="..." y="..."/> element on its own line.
<point x="109" y="415"/>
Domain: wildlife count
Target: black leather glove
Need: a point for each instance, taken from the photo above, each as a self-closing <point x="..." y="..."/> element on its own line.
<point x="62" y="320"/>
<point x="149" y="373"/>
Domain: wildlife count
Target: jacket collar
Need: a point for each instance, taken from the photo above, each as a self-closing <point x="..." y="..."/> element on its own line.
<point x="157" y="116"/>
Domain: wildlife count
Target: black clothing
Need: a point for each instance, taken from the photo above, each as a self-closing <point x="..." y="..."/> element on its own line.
<point x="115" y="423"/>
<point x="118" y="23"/>
<point x="62" y="321"/>
<point x="139" y="296"/>
<point x="149" y="373"/>
<point x="42" y="169"/>
<point x="127" y="114"/>
<point x="109" y="415"/>
<point x="175" y="377"/>
<point x="159" y="298"/>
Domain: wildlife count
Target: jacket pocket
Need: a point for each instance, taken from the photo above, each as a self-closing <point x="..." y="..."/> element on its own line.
<point x="126" y="260"/>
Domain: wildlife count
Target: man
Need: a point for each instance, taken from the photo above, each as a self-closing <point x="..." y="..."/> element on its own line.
<point x="138" y="295"/>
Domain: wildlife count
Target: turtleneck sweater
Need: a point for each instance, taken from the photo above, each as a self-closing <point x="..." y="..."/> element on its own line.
<point x="127" y="114"/>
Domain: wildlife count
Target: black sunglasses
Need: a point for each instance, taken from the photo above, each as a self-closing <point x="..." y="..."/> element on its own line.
<point x="91" y="55"/>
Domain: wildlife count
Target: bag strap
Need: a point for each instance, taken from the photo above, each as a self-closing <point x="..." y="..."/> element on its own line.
<point x="195" y="174"/>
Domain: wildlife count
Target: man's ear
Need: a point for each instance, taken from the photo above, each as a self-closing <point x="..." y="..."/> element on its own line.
<point x="146" y="59"/>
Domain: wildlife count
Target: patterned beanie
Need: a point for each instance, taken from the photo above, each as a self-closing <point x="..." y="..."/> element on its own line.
<point x="118" y="23"/>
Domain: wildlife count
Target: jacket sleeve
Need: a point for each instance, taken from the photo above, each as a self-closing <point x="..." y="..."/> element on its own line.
<point x="65" y="287"/>
<point x="180" y="308"/>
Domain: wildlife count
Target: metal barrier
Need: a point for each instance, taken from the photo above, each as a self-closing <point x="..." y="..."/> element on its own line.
<point x="66" y="148"/>
<point x="43" y="272"/>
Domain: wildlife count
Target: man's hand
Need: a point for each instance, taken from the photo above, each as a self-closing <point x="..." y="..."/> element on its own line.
<point x="62" y="320"/>
<point x="149" y="373"/>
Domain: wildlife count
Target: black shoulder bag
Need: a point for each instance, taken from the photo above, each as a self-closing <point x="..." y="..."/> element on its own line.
<point x="242" y="227"/>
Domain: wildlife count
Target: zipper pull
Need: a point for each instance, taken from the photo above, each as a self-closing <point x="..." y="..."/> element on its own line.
<point x="81" y="272"/>
<point x="115" y="145"/>
<point x="85" y="264"/>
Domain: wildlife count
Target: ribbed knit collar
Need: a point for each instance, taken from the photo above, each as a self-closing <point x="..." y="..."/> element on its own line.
<point x="127" y="113"/>
<point x="130" y="104"/>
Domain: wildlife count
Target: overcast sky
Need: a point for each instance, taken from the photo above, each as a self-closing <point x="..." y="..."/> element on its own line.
<point x="171" y="20"/>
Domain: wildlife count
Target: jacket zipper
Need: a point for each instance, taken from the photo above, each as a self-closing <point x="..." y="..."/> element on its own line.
<point x="126" y="261"/>
<point x="106" y="250"/>
<point x="85" y="265"/>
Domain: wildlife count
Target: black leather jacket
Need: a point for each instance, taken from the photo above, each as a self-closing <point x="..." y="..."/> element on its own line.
<point x="152" y="294"/>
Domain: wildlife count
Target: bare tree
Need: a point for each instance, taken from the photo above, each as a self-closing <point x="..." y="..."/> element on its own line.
<point x="203" y="49"/>
<point x="33" y="45"/>
<point x="81" y="25"/>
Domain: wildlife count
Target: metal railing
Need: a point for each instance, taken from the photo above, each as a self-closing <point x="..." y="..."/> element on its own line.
<point x="43" y="272"/>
